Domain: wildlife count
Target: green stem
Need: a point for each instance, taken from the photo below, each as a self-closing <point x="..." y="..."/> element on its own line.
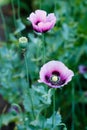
<point x="55" y="4"/>
<point x="4" y="23"/>
<point x="27" y="72"/>
<point x="73" y="106"/>
<point x="43" y="39"/>
<point x="40" y="4"/>
<point x="13" y="9"/>
<point x="29" y="86"/>
<point x="81" y="91"/>
<point x="18" y="9"/>
<point x="0" y="122"/>
<point x="53" y="119"/>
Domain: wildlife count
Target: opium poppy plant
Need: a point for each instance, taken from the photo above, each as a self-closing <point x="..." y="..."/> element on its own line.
<point x="55" y="74"/>
<point x="41" y="22"/>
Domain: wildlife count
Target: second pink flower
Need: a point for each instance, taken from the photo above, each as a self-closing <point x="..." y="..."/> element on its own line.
<point x="41" y="22"/>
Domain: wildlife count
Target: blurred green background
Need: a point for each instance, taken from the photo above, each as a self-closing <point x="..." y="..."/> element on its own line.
<point x="66" y="42"/>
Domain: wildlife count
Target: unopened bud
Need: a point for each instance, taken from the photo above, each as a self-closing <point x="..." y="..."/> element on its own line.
<point x="15" y="109"/>
<point x="23" y="41"/>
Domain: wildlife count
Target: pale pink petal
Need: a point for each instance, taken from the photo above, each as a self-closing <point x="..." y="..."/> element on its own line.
<point x="41" y="15"/>
<point x="45" y="26"/>
<point x="68" y="76"/>
<point x="55" y="66"/>
<point x="51" y="17"/>
<point x="36" y="28"/>
<point x="51" y="66"/>
<point x="40" y="22"/>
<point x="32" y="18"/>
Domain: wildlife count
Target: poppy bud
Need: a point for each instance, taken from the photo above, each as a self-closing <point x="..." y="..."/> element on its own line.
<point x="23" y="42"/>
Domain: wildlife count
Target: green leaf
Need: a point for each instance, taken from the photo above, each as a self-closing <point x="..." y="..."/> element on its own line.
<point x="7" y="118"/>
<point x="20" y="26"/>
<point x="57" y="120"/>
<point x="85" y="75"/>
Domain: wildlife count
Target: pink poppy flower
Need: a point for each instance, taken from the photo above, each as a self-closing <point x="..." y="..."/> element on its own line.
<point x="41" y="22"/>
<point x="82" y="69"/>
<point x="55" y="74"/>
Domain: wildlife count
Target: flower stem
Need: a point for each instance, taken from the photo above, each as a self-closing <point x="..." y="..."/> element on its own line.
<point x="81" y="91"/>
<point x="4" y="23"/>
<point x="43" y="36"/>
<point x="55" y="6"/>
<point x="19" y="9"/>
<point x="73" y="106"/>
<point x="53" y="119"/>
<point x="25" y="57"/>
<point x="13" y="9"/>
<point x="27" y="72"/>
<point x="0" y="122"/>
<point x="40" y="4"/>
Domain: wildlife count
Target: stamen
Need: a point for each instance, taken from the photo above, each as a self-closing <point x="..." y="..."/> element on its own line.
<point x="54" y="79"/>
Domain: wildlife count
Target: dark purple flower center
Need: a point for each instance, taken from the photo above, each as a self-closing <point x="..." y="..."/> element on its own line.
<point x="85" y="69"/>
<point x="37" y="22"/>
<point x="56" y="73"/>
<point x="55" y="79"/>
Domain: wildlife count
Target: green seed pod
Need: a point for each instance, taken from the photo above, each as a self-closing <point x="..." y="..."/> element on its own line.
<point x="23" y="42"/>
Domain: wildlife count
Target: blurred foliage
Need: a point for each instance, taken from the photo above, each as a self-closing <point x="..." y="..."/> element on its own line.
<point x="2" y="3"/>
<point x="66" y="42"/>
